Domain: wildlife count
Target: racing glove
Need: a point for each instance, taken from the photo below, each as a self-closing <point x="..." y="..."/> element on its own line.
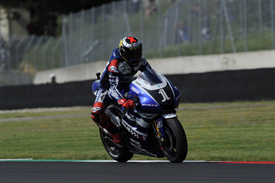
<point x="126" y="104"/>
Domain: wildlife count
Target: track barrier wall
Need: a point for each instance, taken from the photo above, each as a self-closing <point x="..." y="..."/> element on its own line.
<point x="46" y="95"/>
<point x="218" y="86"/>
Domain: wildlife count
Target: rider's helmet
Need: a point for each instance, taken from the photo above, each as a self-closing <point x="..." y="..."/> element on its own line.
<point x="131" y="50"/>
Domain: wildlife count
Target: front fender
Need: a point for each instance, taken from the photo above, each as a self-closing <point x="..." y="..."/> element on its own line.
<point x="169" y="116"/>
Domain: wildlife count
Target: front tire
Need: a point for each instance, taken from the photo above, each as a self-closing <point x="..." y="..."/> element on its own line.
<point x="118" y="154"/>
<point x="176" y="146"/>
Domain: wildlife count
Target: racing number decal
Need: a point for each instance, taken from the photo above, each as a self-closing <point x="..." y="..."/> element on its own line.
<point x="164" y="95"/>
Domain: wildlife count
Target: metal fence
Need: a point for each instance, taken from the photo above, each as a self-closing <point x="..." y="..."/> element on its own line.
<point x="167" y="28"/>
<point x="23" y="56"/>
<point x="175" y="28"/>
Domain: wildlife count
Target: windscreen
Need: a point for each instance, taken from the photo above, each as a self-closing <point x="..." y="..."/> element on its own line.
<point x="151" y="78"/>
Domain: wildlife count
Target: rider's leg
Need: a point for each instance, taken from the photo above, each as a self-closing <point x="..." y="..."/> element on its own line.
<point x="100" y="118"/>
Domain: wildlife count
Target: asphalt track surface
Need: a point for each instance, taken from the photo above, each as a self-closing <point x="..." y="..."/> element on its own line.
<point x="134" y="172"/>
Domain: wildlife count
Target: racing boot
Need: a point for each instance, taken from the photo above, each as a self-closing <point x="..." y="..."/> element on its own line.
<point x="108" y="125"/>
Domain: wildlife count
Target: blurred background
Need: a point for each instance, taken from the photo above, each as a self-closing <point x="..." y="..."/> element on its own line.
<point x="41" y="35"/>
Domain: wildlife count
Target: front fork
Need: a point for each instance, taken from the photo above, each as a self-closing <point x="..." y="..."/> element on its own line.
<point x="159" y="131"/>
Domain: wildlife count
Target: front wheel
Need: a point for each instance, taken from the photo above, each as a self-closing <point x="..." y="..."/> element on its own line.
<point x="175" y="148"/>
<point x="118" y="154"/>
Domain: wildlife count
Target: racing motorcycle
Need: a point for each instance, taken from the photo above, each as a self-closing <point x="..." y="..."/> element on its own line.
<point x="152" y="127"/>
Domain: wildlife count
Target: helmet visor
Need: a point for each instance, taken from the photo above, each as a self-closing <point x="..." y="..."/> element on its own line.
<point x="133" y="64"/>
<point x="133" y="56"/>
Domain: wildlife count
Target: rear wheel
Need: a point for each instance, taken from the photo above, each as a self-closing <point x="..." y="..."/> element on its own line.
<point x="175" y="148"/>
<point x="118" y="154"/>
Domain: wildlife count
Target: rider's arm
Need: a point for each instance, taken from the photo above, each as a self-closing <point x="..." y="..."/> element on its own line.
<point x="114" y="90"/>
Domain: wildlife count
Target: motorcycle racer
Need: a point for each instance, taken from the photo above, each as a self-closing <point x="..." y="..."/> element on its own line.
<point x="124" y="63"/>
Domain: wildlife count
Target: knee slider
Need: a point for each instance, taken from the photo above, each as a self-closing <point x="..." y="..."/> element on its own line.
<point x="98" y="108"/>
<point x="98" y="114"/>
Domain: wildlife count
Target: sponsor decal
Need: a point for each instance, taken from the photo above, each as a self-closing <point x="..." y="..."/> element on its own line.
<point x="101" y="95"/>
<point x="150" y="105"/>
<point x="159" y="124"/>
<point x="135" y="90"/>
<point x="135" y="134"/>
<point x="138" y="82"/>
<point x="113" y="94"/>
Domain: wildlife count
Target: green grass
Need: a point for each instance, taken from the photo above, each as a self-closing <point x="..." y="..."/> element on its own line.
<point x="32" y="113"/>
<point x="239" y="131"/>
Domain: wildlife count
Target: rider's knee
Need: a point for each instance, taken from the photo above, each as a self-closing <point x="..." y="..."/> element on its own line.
<point x="98" y="114"/>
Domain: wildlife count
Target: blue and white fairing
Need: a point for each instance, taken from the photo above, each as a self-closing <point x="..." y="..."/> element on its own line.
<point x="156" y="93"/>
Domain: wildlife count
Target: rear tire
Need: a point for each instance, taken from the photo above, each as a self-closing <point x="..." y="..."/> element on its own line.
<point x="118" y="154"/>
<point x="176" y="146"/>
